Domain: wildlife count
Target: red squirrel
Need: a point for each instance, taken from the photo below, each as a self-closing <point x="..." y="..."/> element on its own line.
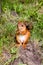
<point x="22" y="35"/>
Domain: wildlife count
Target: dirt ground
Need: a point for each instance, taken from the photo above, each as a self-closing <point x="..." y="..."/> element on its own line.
<point x="29" y="56"/>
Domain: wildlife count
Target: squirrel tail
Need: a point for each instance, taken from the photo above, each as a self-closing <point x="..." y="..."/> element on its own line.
<point x="29" y="25"/>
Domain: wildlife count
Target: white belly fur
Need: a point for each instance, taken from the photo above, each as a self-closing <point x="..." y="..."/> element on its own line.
<point x="22" y="38"/>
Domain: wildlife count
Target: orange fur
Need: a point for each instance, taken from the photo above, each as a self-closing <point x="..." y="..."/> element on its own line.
<point x="22" y="33"/>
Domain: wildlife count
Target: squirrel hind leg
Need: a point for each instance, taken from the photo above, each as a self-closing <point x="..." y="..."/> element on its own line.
<point x="24" y="46"/>
<point x="18" y="44"/>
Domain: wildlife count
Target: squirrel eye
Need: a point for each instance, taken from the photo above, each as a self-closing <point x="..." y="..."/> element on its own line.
<point x="22" y="25"/>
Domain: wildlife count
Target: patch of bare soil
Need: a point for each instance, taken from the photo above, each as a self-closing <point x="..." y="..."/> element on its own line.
<point x="29" y="56"/>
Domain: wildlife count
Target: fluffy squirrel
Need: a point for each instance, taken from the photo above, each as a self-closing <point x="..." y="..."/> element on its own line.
<point x="23" y="34"/>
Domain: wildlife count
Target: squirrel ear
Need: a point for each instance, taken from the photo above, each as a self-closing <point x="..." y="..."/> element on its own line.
<point x="19" y="22"/>
<point x="29" y="25"/>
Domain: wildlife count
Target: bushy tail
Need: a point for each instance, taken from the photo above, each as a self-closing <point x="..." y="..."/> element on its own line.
<point x="29" y="25"/>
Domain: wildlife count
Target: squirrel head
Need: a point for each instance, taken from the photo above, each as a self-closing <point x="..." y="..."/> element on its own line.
<point x="21" y="27"/>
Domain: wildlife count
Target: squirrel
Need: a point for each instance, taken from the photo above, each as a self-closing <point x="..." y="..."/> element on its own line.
<point x="22" y="34"/>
